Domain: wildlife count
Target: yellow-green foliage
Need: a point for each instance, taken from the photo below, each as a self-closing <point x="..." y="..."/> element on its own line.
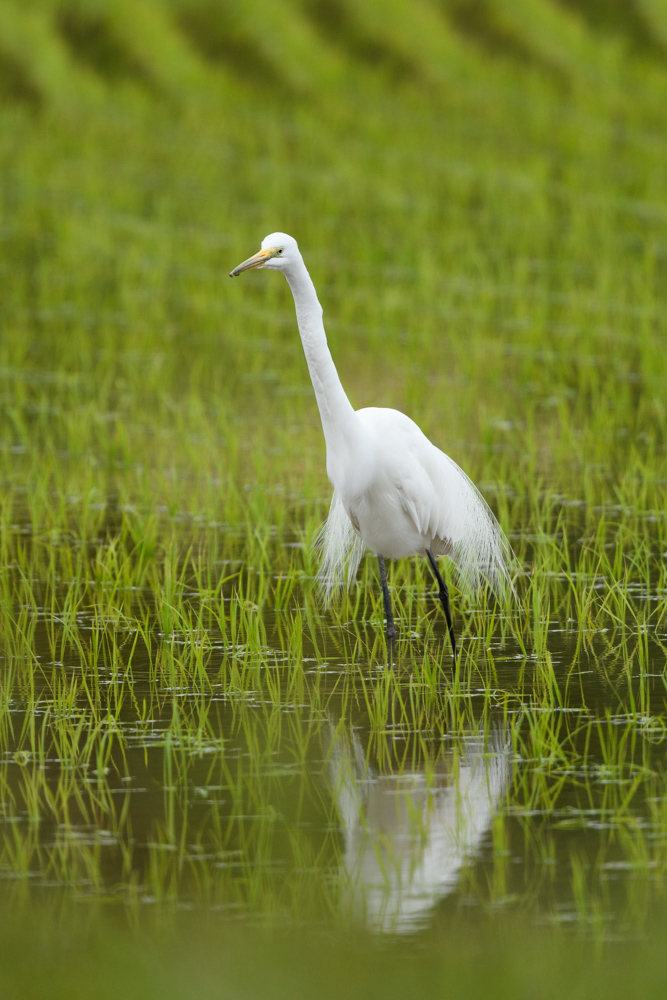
<point x="54" y="49"/>
<point x="480" y="189"/>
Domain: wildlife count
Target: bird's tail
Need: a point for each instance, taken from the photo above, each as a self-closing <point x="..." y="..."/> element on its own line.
<point x="477" y="544"/>
<point x="340" y="549"/>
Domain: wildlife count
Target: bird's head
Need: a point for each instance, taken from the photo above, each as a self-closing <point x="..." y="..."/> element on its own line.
<point x="278" y="251"/>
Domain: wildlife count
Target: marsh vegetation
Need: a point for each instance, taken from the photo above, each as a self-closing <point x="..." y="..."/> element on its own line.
<point x="482" y="198"/>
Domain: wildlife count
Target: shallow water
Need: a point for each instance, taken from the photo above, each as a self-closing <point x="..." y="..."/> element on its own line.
<point x="192" y="771"/>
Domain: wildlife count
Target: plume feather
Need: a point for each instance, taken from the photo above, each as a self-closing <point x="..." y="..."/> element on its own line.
<point x="340" y="549"/>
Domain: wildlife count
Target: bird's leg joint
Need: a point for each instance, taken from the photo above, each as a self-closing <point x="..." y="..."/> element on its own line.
<point x="443" y="594"/>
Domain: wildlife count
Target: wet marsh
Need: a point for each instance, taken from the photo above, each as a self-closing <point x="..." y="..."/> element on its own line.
<point x="188" y="738"/>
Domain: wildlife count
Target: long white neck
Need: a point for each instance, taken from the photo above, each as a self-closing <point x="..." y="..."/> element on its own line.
<point x="341" y="426"/>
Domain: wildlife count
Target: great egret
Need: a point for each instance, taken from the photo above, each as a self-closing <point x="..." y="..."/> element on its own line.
<point x="394" y="491"/>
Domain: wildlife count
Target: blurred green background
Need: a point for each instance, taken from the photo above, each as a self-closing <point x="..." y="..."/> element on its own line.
<point x="479" y="188"/>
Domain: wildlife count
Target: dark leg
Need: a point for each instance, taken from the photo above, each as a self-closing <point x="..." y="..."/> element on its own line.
<point x="391" y="627"/>
<point x="444" y="597"/>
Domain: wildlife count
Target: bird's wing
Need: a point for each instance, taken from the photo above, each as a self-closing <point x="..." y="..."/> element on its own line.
<point x="462" y="524"/>
<point x="442" y="502"/>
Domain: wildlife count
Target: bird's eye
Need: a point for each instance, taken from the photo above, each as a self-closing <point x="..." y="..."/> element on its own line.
<point x="280" y="250"/>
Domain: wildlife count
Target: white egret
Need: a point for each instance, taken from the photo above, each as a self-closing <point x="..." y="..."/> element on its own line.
<point x="394" y="491"/>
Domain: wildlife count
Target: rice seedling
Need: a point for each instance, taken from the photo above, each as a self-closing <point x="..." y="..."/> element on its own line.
<point x="183" y="724"/>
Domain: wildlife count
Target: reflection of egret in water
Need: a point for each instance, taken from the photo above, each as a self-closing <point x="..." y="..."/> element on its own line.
<point x="407" y="835"/>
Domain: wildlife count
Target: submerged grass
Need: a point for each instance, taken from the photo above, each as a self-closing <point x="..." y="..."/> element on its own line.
<point x="182" y="724"/>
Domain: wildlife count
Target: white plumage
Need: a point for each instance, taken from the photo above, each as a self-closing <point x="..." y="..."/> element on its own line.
<point x="394" y="491"/>
<point x="417" y="499"/>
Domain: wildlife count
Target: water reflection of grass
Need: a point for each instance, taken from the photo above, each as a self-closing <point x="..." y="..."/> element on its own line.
<point x="480" y="196"/>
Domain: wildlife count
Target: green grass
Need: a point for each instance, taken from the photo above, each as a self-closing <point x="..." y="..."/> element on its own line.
<point x="480" y="196"/>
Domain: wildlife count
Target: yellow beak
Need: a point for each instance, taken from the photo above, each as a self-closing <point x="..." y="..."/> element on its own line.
<point x="258" y="260"/>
